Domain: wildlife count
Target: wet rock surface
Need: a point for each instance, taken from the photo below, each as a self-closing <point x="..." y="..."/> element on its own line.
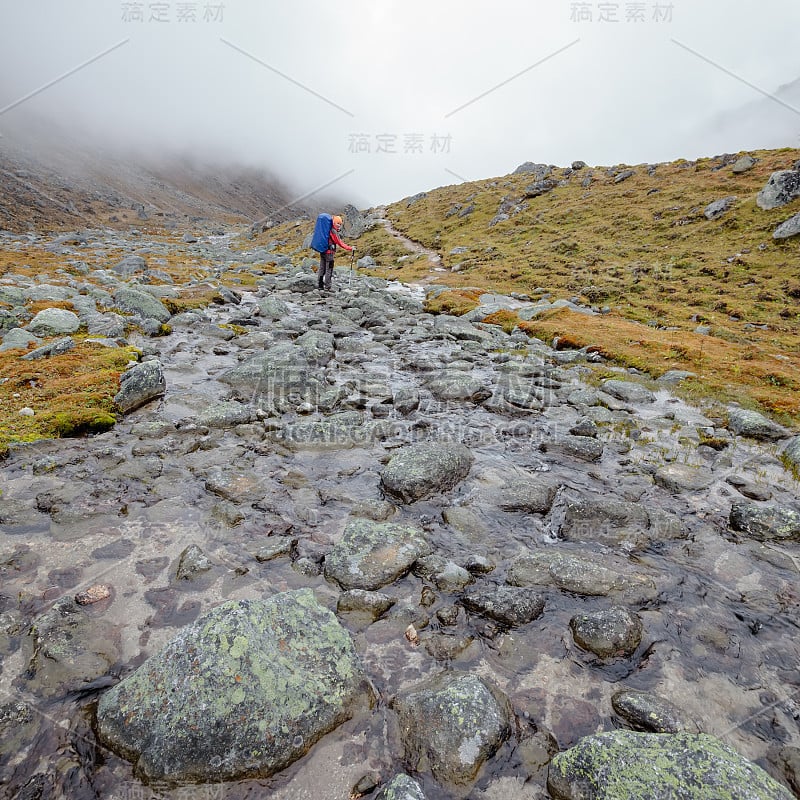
<point x="453" y="724"/>
<point x="273" y="429"/>
<point x="243" y="692"/>
<point x="619" y="765"/>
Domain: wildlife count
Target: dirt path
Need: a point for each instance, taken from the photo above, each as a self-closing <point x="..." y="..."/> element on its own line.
<point x="434" y="259"/>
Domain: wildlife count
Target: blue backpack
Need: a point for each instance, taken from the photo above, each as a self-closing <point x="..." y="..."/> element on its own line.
<point x="322" y="230"/>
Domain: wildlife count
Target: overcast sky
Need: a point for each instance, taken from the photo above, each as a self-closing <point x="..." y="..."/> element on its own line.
<point x="383" y="98"/>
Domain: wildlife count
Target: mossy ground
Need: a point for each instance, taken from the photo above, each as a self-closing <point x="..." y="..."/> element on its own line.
<point x="70" y="394"/>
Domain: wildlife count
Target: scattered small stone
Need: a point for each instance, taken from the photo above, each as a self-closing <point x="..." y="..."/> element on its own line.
<point x="94" y="594"/>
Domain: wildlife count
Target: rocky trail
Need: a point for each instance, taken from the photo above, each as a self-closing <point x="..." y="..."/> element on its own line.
<point x="339" y="547"/>
<point x="415" y="248"/>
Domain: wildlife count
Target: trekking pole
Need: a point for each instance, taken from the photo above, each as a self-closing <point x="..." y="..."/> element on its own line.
<point x="352" y="262"/>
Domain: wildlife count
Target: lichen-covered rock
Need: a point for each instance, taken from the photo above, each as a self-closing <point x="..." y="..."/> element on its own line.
<point x="243" y="692"/>
<point x="402" y="787"/>
<point x="782" y="187"/>
<point x="765" y="522"/>
<point x="191" y="563"/>
<point x="139" y="385"/>
<point x="509" y="605"/>
<point x="142" y="304"/>
<point x="743" y="164"/>
<point x="788" y="228"/>
<point x="452" y="385"/>
<point x="316" y="346"/>
<point x="621" y="765"/>
<point x="226" y="414"/>
<point x="373" y="554"/>
<point x="750" y="423"/>
<point x="277" y="379"/>
<point x="54" y="322"/>
<point x="18" y="339"/>
<point x="360" y="601"/>
<point x="628" y="391"/>
<point x="424" y="469"/>
<point x="452" y="724"/>
<point x="608" y="633"/>
<point x="719" y="207"/>
<point x="130" y="265"/>
<point x="647" y="712"/>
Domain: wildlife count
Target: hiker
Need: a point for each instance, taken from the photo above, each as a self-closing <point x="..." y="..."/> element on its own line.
<point x="327" y="248"/>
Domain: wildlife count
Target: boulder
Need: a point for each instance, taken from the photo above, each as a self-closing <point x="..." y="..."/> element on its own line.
<point x="788" y="229"/>
<point x="583" y="575"/>
<point x="583" y="448"/>
<point x="743" y="164"/>
<point x="142" y="304"/>
<point x="130" y="265"/>
<point x="460" y="329"/>
<point x="401" y="787"/>
<point x="273" y="308"/>
<point x="139" y="385"/>
<point x="242" y="692"/>
<point x="647" y="712"/>
<point x="278" y="379"/>
<point x="765" y="522"/>
<point x="454" y="385"/>
<point x="225" y="414"/>
<point x="453" y="724"/>
<point x="719" y="207"/>
<point x="371" y="554"/>
<point x="619" y="765"/>
<point x="421" y="470"/>
<point x="529" y="495"/>
<point x="18" y="339"/>
<point x="316" y="347"/>
<point x="538" y="188"/>
<point x="54" y="322"/>
<point x="608" y="633"/>
<point x="538" y="171"/>
<point x="628" y="391"/>
<point x="678" y="478"/>
<point x="781" y="189"/>
<point x="508" y="605"/>
<point x="360" y="601"/>
<point x="754" y="425"/>
<point x="56" y="348"/>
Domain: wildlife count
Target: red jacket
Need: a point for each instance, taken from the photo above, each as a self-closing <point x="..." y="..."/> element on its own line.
<point x="334" y="240"/>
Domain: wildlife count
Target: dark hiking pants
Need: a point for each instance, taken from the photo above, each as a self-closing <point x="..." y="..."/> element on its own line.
<point x="325" y="271"/>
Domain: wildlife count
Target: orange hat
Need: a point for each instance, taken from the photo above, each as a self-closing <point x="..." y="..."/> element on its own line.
<point x="337" y="222"/>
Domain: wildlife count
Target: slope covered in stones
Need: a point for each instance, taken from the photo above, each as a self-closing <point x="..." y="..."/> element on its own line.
<point x="683" y="283"/>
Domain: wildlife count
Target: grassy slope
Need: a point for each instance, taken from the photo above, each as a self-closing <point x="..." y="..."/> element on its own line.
<point x="643" y="248"/>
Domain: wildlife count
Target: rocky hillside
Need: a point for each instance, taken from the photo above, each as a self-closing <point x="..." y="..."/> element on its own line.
<point x="71" y="188"/>
<point x="679" y="261"/>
